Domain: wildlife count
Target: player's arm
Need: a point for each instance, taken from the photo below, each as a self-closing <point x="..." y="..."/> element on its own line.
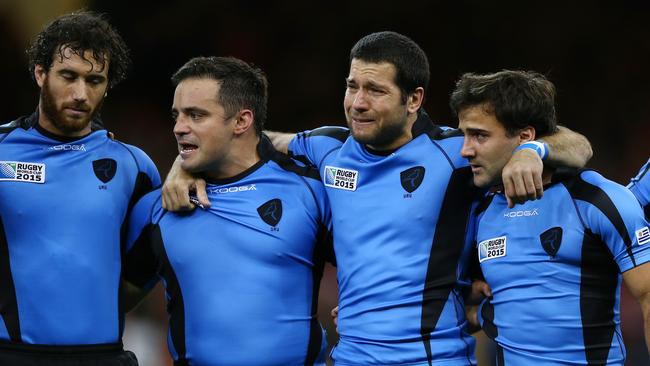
<point x="522" y="176"/>
<point x="179" y="183"/>
<point x="280" y="140"/>
<point x="178" y="186"/>
<point x="140" y="264"/>
<point x="637" y="282"/>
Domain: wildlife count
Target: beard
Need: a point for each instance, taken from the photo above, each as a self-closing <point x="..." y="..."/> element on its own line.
<point x="386" y="135"/>
<point x="64" y="123"/>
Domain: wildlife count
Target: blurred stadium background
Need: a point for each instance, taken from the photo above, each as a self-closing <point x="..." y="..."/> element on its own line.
<point x="596" y="52"/>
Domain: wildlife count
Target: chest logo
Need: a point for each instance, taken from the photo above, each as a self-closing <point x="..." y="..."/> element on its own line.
<point x="551" y="240"/>
<point x="105" y="169"/>
<point x="19" y="171"/>
<point x="412" y="178"/>
<point x="341" y="178"/>
<point x="492" y="248"/>
<point x="271" y="211"/>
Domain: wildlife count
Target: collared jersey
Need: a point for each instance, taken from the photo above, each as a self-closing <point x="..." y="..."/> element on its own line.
<point x="554" y="266"/>
<point x="241" y="277"/>
<point x="640" y="186"/>
<point x="399" y="232"/>
<point x="62" y="209"/>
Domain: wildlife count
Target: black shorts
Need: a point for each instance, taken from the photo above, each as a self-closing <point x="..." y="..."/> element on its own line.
<point x="12" y="354"/>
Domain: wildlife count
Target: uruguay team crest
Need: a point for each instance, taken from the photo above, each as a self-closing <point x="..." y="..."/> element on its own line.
<point x="551" y="240"/>
<point x="271" y="211"/>
<point x="105" y="169"/>
<point x="412" y="178"/>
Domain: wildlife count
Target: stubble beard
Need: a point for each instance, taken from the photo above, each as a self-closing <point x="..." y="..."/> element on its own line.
<point x="385" y="135"/>
<point x="68" y="126"/>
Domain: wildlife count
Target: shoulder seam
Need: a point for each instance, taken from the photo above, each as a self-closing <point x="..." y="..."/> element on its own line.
<point x="444" y="153"/>
<point x="339" y="133"/>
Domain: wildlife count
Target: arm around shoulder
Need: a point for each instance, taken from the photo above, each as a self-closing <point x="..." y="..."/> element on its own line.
<point x="568" y="148"/>
<point x="280" y="140"/>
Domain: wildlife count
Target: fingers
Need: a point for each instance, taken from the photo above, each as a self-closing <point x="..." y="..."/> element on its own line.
<point x="522" y="177"/>
<point x="335" y="317"/>
<point x="176" y="197"/>
<point x="201" y="193"/>
<point x="483" y="288"/>
<point x="176" y="190"/>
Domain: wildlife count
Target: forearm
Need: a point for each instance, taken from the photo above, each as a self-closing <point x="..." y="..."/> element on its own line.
<point x="280" y="140"/>
<point x="567" y="148"/>
<point x="645" y="308"/>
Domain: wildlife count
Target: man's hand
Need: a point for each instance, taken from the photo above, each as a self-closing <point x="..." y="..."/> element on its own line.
<point x="480" y="290"/>
<point x="522" y="177"/>
<point x="335" y="317"/>
<point x="177" y="188"/>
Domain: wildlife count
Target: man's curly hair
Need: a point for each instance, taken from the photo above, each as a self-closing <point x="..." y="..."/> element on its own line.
<point x="81" y="31"/>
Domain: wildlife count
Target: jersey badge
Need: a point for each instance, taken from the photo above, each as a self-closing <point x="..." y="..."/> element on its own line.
<point x="18" y="171"/>
<point x="412" y="178"/>
<point x="643" y="235"/>
<point x="341" y="178"/>
<point x="492" y="248"/>
<point x="271" y="212"/>
<point x="105" y="169"/>
<point x="551" y="240"/>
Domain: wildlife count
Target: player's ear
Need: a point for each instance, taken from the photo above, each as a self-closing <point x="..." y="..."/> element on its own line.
<point x="244" y="121"/>
<point x="39" y="75"/>
<point x="526" y="134"/>
<point x="414" y="100"/>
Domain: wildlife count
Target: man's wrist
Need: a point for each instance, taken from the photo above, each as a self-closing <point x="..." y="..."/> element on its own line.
<point x="541" y="148"/>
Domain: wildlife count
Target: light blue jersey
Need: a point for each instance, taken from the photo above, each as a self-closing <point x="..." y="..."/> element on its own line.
<point x="63" y="203"/>
<point x="241" y="277"/>
<point x="399" y="232"/>
<point x="554" y="266"/>
<point x="640" y="186"/>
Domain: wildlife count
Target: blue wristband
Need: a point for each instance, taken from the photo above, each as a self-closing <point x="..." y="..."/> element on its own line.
<point x="541" y="148"/>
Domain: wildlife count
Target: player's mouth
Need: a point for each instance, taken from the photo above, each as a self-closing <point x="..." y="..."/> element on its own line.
<point x="361" y="121"/>
<point x="76" y="111"/>
<point x="186" y="149"/>
<point x="476" y="168"/>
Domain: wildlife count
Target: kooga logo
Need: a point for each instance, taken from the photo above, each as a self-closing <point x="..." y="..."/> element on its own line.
<point x="224" y="190"/>
<point x="525" y="213"/>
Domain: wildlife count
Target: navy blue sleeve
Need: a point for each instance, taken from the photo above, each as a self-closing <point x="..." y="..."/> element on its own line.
<point x="141" y="263"/>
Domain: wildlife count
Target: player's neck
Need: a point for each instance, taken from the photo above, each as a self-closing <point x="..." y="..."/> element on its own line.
<point x="242" y="156"/>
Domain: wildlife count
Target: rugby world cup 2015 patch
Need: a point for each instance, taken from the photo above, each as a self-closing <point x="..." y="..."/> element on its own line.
<point x="341" y="178"/>
<point x="492" y="248"/>
<point x="18" y="171"/>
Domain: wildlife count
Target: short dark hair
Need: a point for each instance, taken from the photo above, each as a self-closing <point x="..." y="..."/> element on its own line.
<point x="241" y="85"/>
<point x="409" y="59"/>
<point x="81" y="31"/>
<point x="516" y="98"/>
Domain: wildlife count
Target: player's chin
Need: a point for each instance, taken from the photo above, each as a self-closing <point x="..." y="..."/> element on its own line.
<point x="481" y="181"/>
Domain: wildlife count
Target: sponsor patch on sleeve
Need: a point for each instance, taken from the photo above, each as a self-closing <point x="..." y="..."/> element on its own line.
<point x="341" y="178"/>
<point x="18" y="171"/>
<point x="643" y="235"/>
<point x="492" y="248"/>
